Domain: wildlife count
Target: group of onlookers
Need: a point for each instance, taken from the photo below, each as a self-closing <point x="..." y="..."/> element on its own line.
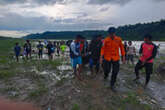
<point x="51" y="47"/>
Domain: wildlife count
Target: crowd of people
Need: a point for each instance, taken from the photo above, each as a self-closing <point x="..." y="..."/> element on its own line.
<point x="52" y="48"/>
<point x="100" y="53"/>
<point x="105" y="53"/>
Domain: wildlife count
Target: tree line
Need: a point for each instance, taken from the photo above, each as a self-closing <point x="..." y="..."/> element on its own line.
<point x="127" y="32"/>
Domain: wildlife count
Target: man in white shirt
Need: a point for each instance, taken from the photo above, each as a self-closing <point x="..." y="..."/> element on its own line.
<point x="131" y="51"/>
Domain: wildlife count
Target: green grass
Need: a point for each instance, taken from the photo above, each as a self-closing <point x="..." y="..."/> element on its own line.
<point x="60" y="82"/>
<point x="7" y="73"/>
<point x="6" y="49"/>
<point x="131" y="101"/>
<point x="10" y="89"/>
<point x="41" y="90"/>
<point x="10" y="68"/>
<point x="76" y="107"/>
<point x="162" y="58"/>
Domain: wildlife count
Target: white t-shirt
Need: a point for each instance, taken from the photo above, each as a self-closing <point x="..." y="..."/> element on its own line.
<point x="130" y="50"/>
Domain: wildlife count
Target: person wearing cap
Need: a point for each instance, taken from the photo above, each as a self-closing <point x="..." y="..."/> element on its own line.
<point x="75" y="55"/>
<point x="110" y="55"/>
<point x="148" y="52"/>
<point x="94" y="53"/>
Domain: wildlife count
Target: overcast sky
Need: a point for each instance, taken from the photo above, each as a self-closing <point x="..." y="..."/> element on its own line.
<point x="19" y="17"/>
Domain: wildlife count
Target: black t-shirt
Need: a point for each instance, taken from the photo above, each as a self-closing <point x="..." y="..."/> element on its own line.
<point x="95" y="49"/>
<point x="40" y="47"/>
<point x="50" y="48"/>
<point x="27" y="46"/>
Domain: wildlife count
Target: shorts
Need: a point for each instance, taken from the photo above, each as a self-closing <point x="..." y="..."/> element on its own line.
<point x="76" y="61"/>
<point x="93" y="62"/>
<point x="85" y="60"/>
<point x="50" y="52"/>
<point x="28" y="52"/>
<point x="17" y="54"/>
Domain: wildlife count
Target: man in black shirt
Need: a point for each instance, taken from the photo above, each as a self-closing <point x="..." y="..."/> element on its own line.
<point x="94" y="53"/>
<point x="50" y="49"/>
<point x="40" y="49"/>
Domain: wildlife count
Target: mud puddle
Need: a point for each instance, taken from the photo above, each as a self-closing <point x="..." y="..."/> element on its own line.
<point x="155" y="89"/>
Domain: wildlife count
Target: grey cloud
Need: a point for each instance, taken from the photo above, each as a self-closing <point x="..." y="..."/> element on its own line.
<point x="49" y="2"/>
<point x="101" y="2"/>
<point x="11" y="1"/>
<point x="120" y="2"/>
<point x="2" y="2"/>
<point x="16" y="22"/>
<point x="104" y="9"/>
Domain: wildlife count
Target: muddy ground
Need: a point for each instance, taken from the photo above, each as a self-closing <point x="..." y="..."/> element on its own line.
<point x="50" y="85"/>
<point x="53" y="86"/>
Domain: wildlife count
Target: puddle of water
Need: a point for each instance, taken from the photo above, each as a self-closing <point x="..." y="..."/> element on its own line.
<point x="64" y="67"/>
<point x="44" y="73"/>
<point x="58" y="76"/>
<point x="157" y="91"/>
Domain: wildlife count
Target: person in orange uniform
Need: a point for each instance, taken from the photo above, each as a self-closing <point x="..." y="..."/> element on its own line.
<point x="110" y="55"/>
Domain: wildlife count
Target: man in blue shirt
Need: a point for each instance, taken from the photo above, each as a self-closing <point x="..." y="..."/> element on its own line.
<point x="17" y="51"/>
<point x="75" y="55"/>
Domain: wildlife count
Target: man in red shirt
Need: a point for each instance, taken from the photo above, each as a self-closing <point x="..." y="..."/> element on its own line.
<point x="148" y="52"/>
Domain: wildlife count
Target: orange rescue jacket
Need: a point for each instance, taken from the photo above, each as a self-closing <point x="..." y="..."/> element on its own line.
<point x="110" y="49"/>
